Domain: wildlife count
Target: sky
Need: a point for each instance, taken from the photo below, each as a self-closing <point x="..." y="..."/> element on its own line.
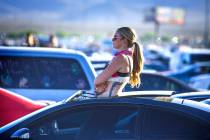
<point x="94" y="15"/>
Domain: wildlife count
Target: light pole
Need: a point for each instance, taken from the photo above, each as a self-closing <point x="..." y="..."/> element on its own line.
<point x="206" y="27"/>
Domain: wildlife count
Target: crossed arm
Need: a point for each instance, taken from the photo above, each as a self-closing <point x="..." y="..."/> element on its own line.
<point x="102" y="79"/>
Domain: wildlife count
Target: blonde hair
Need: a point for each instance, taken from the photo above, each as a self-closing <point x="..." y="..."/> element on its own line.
<point x="137" y="55"/>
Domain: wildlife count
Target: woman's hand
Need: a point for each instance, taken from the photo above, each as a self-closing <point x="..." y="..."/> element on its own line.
<point x="101" y="88"/>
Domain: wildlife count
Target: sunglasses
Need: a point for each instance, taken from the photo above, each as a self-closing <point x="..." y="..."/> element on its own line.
<point x="115" y="38"/>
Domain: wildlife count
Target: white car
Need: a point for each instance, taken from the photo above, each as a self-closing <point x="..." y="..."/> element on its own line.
<point x="45" y="73"/>
<point x="186" y="56"/>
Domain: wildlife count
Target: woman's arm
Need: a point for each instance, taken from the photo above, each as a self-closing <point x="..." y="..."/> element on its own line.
<point x="112" y="68"/>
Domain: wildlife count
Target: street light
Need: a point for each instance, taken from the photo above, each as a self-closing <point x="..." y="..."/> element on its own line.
<point x="206" y="26"/>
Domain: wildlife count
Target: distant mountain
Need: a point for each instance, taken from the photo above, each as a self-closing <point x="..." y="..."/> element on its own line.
<point x="94" y="15"/>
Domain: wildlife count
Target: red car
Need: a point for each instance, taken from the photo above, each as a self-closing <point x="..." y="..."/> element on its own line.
<point x="14" y="106"/>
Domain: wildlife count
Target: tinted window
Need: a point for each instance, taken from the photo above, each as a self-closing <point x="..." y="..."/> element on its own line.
<point x="41" y="73"/>
<point x="161" y="123"/>
<point x="156" y="82"/>
<point x="89" y="123"/>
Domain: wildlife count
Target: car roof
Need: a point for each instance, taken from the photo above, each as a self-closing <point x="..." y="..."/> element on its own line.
<point x="193" y="104"/>
<point x="41" y="51"/>
<point x="155" y="93"/>
<point x="192" y="94"/>
<point x="163" y="96"/>
<point x="146" y="93"/>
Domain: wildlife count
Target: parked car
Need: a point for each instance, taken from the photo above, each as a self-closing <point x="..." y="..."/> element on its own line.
<point x="196" y="96"/>
<point x="45" y="73"/>
<point x="155" y="65"/>
<point x="133" y="118"/>
<point x="201" y="82"/>
<point x="185" y="73"/>
<point x="155" y="81"/>
<point x="186" y="56"/>
<point x="157" y="54"/>
<point x="14" y="106"/>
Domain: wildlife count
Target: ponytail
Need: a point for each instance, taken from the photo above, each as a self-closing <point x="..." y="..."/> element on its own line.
<point x="138" y="61"/>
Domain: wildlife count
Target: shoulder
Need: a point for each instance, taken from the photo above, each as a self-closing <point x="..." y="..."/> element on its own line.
<point x="124" y="58"/>
<point x="120" y="58"/>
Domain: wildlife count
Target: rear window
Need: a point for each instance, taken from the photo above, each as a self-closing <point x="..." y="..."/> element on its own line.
<point x="42" y="73"/>
<point x="157" y="82"/>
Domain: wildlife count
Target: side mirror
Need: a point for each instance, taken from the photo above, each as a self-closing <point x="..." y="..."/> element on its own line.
<point x="22" y="133"/>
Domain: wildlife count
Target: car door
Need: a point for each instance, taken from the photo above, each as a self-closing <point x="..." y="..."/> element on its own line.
<point x="161" y="123"/>
<point x="99" y="122"/>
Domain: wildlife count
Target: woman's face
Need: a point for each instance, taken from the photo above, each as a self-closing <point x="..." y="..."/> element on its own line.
<point x="117" y="41"/>
<point x="31" y="40"/>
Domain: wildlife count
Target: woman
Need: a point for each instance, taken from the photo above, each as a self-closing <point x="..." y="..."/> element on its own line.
<point x="31" y="40"/>
<point x="53" y="41"/>
<point x="124" y="68"/>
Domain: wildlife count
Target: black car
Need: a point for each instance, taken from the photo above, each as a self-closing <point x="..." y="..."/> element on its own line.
<point x="151" y="80"/>
<point x="156" y="81"/>
<point x="117" y="118"/>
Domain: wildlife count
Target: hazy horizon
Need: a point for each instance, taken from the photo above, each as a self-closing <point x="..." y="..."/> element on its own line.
<point x="95" y="15"/>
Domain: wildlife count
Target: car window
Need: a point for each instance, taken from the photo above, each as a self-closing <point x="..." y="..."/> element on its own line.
<point x="161" y="123"/>
<point x="155" y="82"/>
<point x="42" y="73"/>
<point x="113" y="122"/>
